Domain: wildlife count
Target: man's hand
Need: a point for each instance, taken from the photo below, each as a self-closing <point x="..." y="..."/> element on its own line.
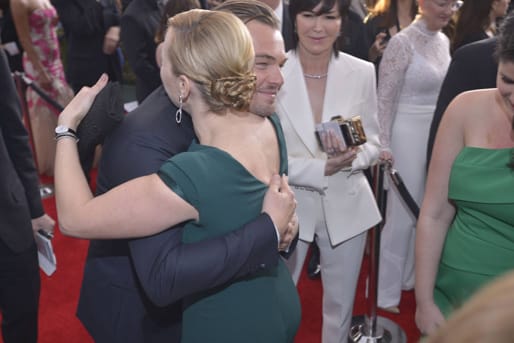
<point x="45" y="223"/>
<point x="290" y="234"/>
<point x="280" y="204"/>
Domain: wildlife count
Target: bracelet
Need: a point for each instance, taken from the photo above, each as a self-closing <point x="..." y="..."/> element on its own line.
<point x="66" y="134"/>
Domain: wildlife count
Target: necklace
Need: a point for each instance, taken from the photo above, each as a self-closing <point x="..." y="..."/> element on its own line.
<point x="314" y="76"/>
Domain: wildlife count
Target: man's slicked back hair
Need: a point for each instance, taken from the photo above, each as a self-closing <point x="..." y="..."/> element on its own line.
<point x="248" y="10"/>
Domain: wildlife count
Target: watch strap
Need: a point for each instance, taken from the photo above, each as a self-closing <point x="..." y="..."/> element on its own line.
<point x="66" y="134"/>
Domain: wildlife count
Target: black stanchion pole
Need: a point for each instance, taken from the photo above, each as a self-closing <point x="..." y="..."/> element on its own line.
<point x="45" y="190"/>
<point x="370" y="328"/>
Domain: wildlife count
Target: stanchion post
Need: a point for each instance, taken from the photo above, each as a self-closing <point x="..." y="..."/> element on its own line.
<point x="371" y="328"/>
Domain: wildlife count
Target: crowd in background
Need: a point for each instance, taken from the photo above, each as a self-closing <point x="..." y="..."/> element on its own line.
<point x="398" y="64"/>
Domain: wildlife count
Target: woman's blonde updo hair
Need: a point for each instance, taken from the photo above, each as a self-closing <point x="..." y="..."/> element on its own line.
<point x="215" y="50"/>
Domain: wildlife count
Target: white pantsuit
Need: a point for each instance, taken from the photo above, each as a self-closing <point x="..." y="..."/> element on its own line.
<point x="337" y="209"/>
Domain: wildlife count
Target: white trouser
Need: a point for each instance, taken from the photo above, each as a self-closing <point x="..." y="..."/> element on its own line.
<point x="408" y="144"/>
<point x="340" y="267"/>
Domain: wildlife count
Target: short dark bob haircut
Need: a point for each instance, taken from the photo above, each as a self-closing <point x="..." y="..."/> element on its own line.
<point x="298" y="6"/>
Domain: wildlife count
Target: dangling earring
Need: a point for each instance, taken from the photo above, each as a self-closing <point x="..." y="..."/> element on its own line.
<point x="178" y="113"/>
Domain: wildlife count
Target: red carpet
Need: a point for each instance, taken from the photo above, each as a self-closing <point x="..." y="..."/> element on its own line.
<point x="59" y="296"/>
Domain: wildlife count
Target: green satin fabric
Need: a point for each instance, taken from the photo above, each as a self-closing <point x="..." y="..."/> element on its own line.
<point x="262" y="307"/>
<point x="480" y="242"/>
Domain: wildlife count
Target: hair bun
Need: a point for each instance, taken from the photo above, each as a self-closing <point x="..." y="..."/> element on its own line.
<point x="234" y="91"/>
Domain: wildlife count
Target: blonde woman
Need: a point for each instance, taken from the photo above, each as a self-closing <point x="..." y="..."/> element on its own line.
<point x="215" y="187"/>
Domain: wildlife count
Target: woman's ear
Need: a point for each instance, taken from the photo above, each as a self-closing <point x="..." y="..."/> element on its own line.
<point x="184" y="86"/>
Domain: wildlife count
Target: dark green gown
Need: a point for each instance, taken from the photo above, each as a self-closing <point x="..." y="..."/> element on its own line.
<point x="263" y="307"/>
<point x="480" y="242"/>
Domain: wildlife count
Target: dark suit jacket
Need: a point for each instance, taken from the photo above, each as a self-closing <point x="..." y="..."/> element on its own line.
<point x="85" y="23"/>
<point x="473" y="66"/>
<point x="19" y="183"/>
<point x="353" y="39"/>
<point x="139" y="23"/>
<point x="122" y="276"/>
<point x="470" y="38"/>
<point x="287" y="27"/>
<point x="8" y="34"/>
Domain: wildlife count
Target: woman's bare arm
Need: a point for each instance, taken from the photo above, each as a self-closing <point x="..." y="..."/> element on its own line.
<point x="140" y="207"/>
<point x="436" y="215"/>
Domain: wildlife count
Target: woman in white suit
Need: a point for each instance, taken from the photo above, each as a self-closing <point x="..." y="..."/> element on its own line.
<point x="335" y="203"/>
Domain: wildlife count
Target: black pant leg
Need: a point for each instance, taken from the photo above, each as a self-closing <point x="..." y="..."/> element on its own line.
<point x="19" y="294"/>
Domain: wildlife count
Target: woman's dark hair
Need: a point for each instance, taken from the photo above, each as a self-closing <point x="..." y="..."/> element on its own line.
<point x="248" y="10"/>
<point x="472" y="18"/>
<point x="298" y="6"/>
<point x="505" y="51"/>
<point x="505" y="44"/>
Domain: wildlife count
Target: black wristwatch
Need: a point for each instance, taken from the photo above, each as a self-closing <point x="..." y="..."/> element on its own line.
<point x="62" y="130"/>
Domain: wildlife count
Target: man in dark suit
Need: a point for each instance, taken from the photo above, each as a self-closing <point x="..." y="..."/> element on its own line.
<point x="287" y="26"/>
<point x="139" y="24"/>
<point x="353" y="38"/>
<point x="114" y="305"/>
<point x="21" y="213"/>
<point x="9" y="36"/>
<point x="473" y="66"/>
<point x="91" y="29"/>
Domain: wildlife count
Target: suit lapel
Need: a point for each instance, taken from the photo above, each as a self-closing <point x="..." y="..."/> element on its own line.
<point x="337" y="92"/>
<point x="298" y="111"/>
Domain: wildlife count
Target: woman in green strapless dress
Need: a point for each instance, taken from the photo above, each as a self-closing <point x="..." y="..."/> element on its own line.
<point x="480" y="242"/>
<point x="465" y="231"/>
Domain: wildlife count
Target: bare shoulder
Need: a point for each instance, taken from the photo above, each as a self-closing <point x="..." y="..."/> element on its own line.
<point x="470" y="104"/>
<point x="17" y="5"/>
<point x="25" y="6"/>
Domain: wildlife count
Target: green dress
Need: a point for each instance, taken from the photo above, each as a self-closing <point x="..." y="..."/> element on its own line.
<point x="480" y="242"/>
<point x="263" y="307"/>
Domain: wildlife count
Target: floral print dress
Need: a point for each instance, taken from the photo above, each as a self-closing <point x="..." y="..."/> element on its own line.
<point x="43" y="116"/>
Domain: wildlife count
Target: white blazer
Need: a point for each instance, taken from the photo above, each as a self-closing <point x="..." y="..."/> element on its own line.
<point x="348" y="202"/>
